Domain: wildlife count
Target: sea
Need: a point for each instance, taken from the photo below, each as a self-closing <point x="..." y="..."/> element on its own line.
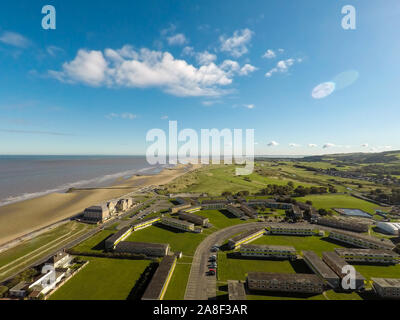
<point x="27" y="177"/>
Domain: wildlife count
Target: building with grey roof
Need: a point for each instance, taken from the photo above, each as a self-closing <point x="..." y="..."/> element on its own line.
<point x="285" y="282"/>
<point x="96" y="214"/>
<point x="148" y="249"/>
<point x="117" y="237"/>
<point x="268" y="251"/>
<point x="343" y="224"/>
<point x="161" y="278"/>
<point x="235" y="211"/>
<point x="321" y="269"/>
<point x="178" y="224"/>
<point x="245" y="237"/>
<point x="249" y="211"/>
<point x="194" y="218"/>
<point x="337" y="264"/>
<point x="374" y="256"/>
<point x="387" y="288"/>
<point x="236" y="290"/>
<point x="361" y="240"/>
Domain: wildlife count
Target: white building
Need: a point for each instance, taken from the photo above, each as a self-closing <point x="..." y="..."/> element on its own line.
<point x="389" y="227"/>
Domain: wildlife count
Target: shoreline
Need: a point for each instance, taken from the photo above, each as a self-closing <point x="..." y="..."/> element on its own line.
<point x="25" y="217"/>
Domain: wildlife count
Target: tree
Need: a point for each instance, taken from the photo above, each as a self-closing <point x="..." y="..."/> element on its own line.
<point x="309" y="202"/>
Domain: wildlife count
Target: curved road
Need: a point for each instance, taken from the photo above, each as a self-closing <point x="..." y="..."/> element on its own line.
<point x="200" y="286"/>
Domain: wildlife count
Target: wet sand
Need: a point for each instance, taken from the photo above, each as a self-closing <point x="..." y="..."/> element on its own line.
<point x="21" y="218"/>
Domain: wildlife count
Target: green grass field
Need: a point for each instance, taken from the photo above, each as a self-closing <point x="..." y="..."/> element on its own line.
<point x="313" y="243"/>
<point x="186" y="242"/>
<point x="340" y="201"/>
<point x="102" y="279"/>
<point x="177" y="287"/>
<point x="95" y="243"/>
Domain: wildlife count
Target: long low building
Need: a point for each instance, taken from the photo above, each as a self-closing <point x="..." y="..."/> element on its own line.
<point x="337" y="264"/>
<point x="148" y="249"/>
<point x="192" y="209"/>
<point x="266" y="251"/>
<point x="386" y="288"/>
<point x="161" y="278"/>
<point x="180" y="207"/>
<point x="249" y="211"/>
<point x="292" y="230"/>
<point x="245" y="237"/>
<point x="361" y="240"/>
<point x="281" y="282"/>
<point x="214" y="204"/>
<point x="145" y="223"/>
<point x="121" y="235"/>
<point x="194" y="218"/>
<point x="235" y="211"/>
<point x="178" y="224"/>
<point x="368" y="255"/>
<point x="236" y="290"/>
<point x="321" y="269"/>
<point x="343" y="224"/>
<point x="270" y="203"/>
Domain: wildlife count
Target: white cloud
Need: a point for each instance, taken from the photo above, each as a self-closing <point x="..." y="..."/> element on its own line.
<point x="126" y="115"/>
<point x="54" y="50"/>
<point x="365" y="145"/>
<point x="89" y="67"/>
<point x="294" y="145"/>
<point x="283" y="66"/>
<point x="269" y="54"/>
<point x="145" y="68"/>
<point x="312" y="145"/>
<point x="328" y="145"/>
<point x="14" y="39"/>
<point x="205" y="57"/>
<point x="323" y="90"/>
<point x="177" y="39"/>
<point x="247" y="69"/>
<point x="281" y="50"/>
<point x="164" y="118"/>
<point x="188" y="51"/>
<point x="273" y="144"/>
<point x="237" y="44"/>
<point x="249" y="106"/>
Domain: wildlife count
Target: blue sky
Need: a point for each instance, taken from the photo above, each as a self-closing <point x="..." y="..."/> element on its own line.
<point x="111" y="72"/>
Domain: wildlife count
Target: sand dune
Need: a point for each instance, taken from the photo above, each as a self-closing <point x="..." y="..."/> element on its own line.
<point x="21" y="218"/>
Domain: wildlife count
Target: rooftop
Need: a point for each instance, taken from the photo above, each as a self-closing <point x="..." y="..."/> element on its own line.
<point x="320" y="266"/>
<point x="386" y="282"/>
<point x="268" y="247"/>
<point x="154" y="289"/>
<point x="344" y="251"/>
<point x="128" y="245"/>
<point x="379" y="241"/>
<point x="247" y="234"/>
<point x="177" y="221"/>
<point x="292" y="277"/>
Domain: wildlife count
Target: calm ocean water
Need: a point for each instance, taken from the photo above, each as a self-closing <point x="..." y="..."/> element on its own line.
<point x="26" y="177"/>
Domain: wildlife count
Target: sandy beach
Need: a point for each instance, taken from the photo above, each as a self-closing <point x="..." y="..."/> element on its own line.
<point x="21" y="218"/>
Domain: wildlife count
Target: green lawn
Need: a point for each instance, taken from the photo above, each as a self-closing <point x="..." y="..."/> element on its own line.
<point x="186" y="242"/>
<point x="221" y="219"/>
<point x="313" y="243"/>
<point x="177" y="286"/>
<point x="102" y="279"/>
<point x="237" y="269"/>
<point x="340" y="201"/>
<point x="95" y="243"/>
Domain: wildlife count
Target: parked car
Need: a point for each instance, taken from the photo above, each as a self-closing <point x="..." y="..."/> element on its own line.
<point x="211" y="272"/>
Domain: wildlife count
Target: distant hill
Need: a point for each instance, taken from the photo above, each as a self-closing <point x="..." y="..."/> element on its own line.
<point x="387" y="157"/>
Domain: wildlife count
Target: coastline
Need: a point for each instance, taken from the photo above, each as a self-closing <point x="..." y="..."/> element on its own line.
<point x="21" y="218"/>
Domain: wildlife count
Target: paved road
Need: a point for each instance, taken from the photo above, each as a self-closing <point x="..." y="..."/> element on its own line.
<point x="203" y="287"/>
